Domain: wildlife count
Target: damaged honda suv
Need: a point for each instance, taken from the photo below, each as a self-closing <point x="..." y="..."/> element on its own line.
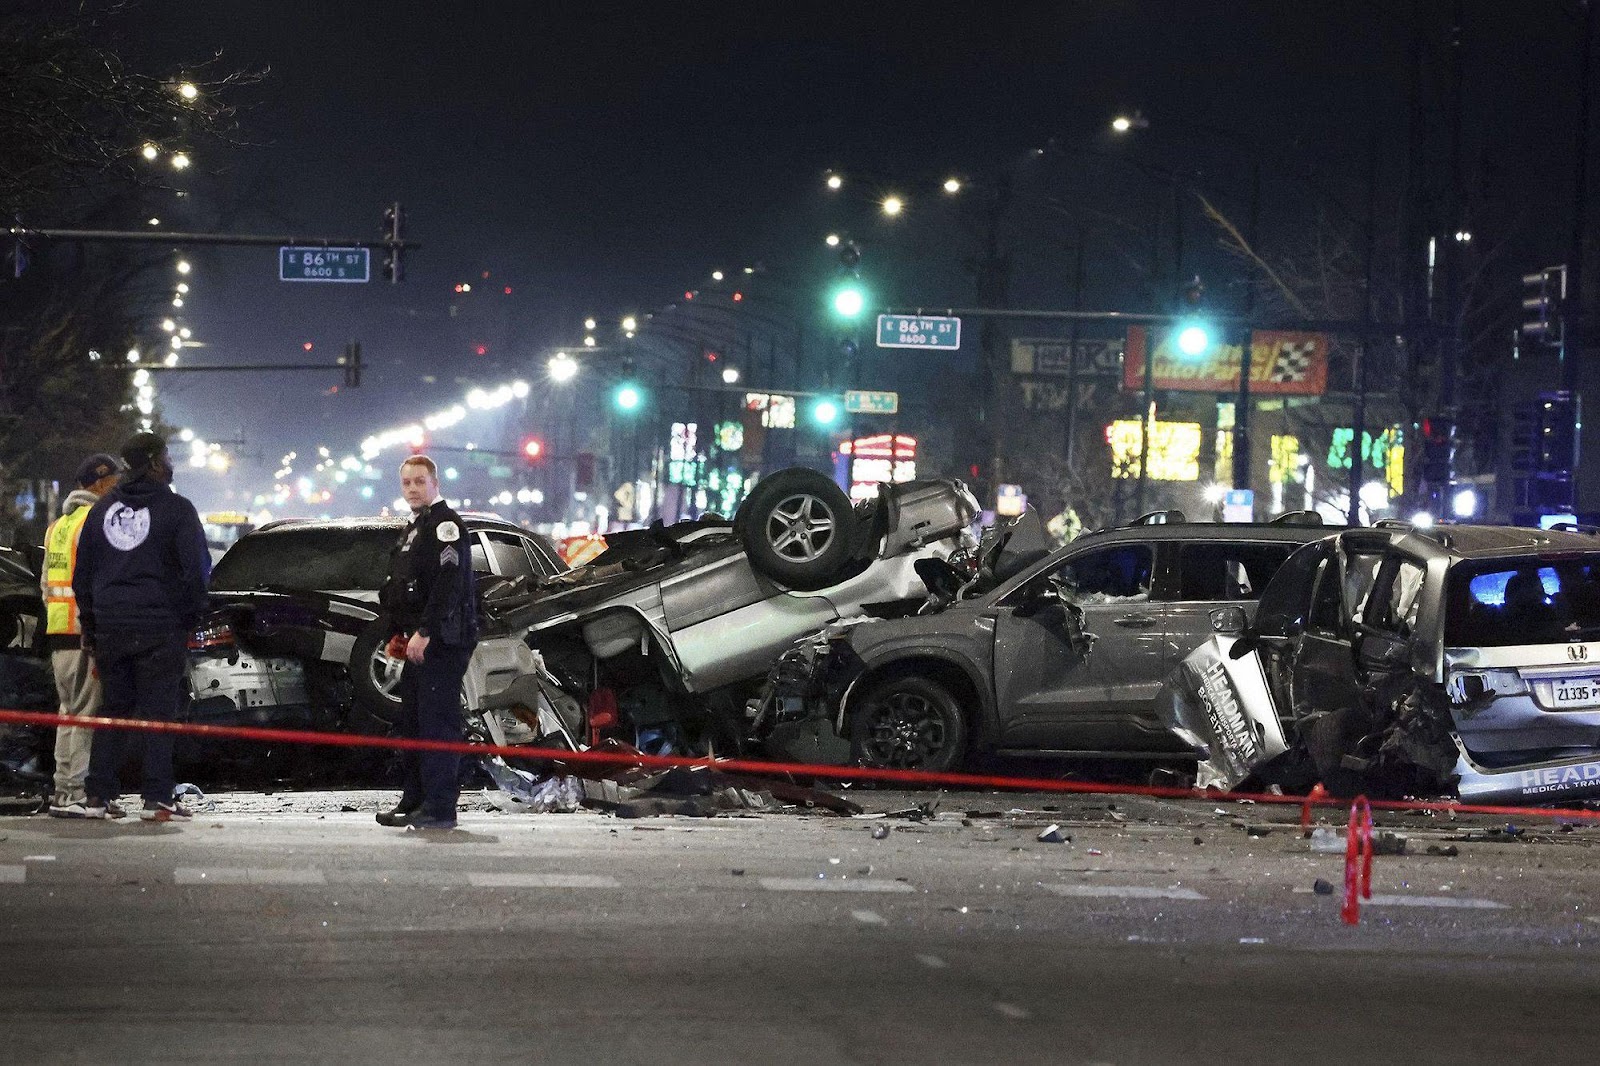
<point x="1403" y="659"/>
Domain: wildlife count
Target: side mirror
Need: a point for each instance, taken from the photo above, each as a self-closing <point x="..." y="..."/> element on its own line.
<point x="1038" y="600"/>
<point x="1229" y="621"/>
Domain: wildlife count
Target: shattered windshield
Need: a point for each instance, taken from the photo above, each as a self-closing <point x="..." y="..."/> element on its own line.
<point x="1523" y="601"/>
<point x="308" y="558"/>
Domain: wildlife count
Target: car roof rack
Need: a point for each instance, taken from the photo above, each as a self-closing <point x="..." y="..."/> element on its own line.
<point x="1159" y="518"/>
<point x="1576" y="527"/>
<point x="1298" y="518"/>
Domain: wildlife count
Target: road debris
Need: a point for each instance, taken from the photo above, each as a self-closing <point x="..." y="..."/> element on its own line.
<point x="1052" y="835"/>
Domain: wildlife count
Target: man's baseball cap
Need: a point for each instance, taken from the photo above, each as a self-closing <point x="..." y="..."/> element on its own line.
<point x="143" y="449"/>
<point x="97" y="466"/>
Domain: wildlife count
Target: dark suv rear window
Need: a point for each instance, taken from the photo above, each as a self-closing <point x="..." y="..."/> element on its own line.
<point x="1522" y="601"/>
<point x="307" y="558"/>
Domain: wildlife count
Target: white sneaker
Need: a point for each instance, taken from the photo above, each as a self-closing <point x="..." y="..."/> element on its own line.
<point x="165" y="812"/>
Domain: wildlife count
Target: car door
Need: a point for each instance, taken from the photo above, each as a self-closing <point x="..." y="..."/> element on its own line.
<point x="1050" y="695"/>
<point x="1323" y="675"/>
<point x="1216" y="573"/>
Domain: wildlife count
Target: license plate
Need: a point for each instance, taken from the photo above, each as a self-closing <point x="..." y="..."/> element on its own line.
<point x="1576" y="693"/>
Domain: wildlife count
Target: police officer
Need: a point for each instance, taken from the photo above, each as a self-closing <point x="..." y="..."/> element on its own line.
<point x="430" y="597"/>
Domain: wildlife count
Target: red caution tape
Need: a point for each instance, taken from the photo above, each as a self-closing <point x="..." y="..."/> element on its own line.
<point x="925" y="778"/>
<point x="1357" y="861"/>
<point x="1316" y="794"/>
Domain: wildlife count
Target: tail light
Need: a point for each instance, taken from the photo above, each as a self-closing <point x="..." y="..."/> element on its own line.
<point x="602" y="712"/>
<point x="211" y="635"/>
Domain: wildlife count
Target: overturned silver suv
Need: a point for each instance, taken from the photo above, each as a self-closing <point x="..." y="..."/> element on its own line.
<point x="1401" y="659"/>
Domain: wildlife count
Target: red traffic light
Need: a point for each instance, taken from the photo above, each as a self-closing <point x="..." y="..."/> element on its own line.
<point x="533" y="449"/>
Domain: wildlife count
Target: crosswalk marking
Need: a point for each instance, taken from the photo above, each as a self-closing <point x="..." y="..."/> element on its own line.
<point x="13" y="875"/>
<point x="1124" y="892"/>
<point x="817" y="884"/>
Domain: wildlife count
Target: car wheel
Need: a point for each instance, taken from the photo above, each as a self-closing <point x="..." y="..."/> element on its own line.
<point x="908" y="723"/>
<point x="797" y="528"/>
<point x="1328" y="740"/>
<point x="375" y="675"/>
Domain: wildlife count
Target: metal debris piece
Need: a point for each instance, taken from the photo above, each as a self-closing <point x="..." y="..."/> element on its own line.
<point x="1052" y="835"/>
<point x="1321" y="887"/>
<point x="879" y="832"/>
<point x="1449" y="851"/>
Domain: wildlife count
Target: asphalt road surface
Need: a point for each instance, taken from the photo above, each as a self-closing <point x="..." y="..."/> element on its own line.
<point x="291" y="928"/>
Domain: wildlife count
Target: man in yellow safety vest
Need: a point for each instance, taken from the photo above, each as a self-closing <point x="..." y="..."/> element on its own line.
<point x="77" y="685"/>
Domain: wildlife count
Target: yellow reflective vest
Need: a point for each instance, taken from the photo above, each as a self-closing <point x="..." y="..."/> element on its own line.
<point x="60" y="559"/>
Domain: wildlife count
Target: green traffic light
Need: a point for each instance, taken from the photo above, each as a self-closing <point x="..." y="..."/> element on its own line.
<point x="628" y="397"/>
<point x="825" y="413"/>
<point x="849" y="301"/>
<point x="1194" y="339"/>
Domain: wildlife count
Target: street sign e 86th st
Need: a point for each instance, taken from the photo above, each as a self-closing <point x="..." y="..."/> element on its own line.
<point x="324" y="264"/>
<point x="919" y="331"/>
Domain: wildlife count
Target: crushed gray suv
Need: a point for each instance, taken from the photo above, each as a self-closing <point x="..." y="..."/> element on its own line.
<point x="1044" y="652"/>
<point x="1403" y="659"/>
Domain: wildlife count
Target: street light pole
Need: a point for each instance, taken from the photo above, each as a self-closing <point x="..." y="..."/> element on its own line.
<point x="1241" y="412"/>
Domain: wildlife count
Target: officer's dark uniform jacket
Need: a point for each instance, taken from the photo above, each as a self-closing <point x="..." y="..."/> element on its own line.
<point x="430" y="588"/>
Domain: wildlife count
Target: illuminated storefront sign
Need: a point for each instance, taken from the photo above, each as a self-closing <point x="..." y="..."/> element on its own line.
<point x="1174" y="449"/>
<point x="876" y="460"/>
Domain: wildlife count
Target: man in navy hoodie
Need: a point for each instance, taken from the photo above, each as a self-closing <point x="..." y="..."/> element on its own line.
<point x="140" y="584"/>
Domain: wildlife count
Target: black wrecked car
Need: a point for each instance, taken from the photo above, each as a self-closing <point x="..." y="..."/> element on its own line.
<point x="294" y="636"/>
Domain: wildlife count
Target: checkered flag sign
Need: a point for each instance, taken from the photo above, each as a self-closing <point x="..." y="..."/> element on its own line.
<point x="1292" y="361"/>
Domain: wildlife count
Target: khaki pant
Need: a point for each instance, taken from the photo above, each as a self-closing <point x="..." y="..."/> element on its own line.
<point x="78" y="690"/>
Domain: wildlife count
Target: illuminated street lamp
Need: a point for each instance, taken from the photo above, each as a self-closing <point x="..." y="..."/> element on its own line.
<point x="150" y="152"/>
<point x="893" y="205"/>
<point x="952" y="185"/>
<point x="589" y="323"/>
<point x="730" y="375"/>
<point x="831" y="240"/>
<point x="716" y="275"/>
<point x="630" y="324"/>
<point x="835" y="182"/>
<point x="180" y="161"/>
<point x="183" y="266"/>
<point x="1125" y="123"/>
<point x="563" y="367"/>
<point x="188" y="91"/>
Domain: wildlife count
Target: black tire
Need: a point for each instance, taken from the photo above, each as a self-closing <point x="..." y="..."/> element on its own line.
<point x="798" y="528"/>
<point x="1328" y="740"/>
<point x="374" y="676"/>
<point x="908" y="723"/>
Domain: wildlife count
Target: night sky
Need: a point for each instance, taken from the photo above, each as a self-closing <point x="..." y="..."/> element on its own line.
<point x="604" y="157"/>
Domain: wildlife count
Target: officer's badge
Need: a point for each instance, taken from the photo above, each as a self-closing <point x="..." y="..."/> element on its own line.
<point x="448" y="532"/>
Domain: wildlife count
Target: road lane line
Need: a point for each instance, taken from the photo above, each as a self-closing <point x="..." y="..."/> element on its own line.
<point x="932" y="962"/>
<point x="211" y="875"/>
<point x="1013" y="1012"/>
<point x="1124" y="892"/>
<point x="815" y="884"/>
<point x="869" y="917"/>
<point x="516" y="880"/>
<point x="438" y="878"/>
<point x="239" y="875"/>
<point x="38" y="858"/>
<point x="1436" y="901"/>
<point x="13" y="875"/>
